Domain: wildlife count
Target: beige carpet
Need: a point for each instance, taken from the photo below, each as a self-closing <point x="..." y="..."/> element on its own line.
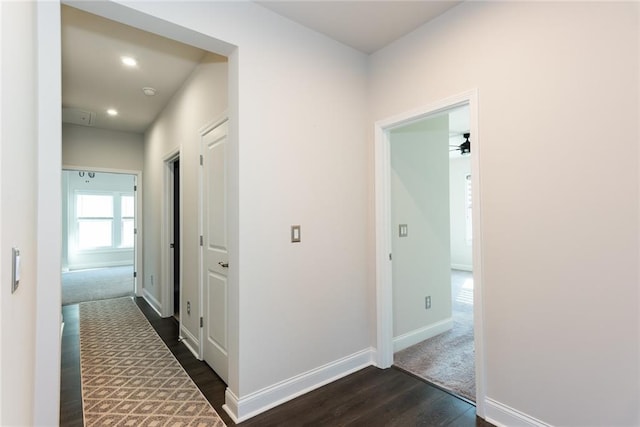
<point x="129" y="376"/>
<point x="96" y="283"/>
<point x="448" y="359"/>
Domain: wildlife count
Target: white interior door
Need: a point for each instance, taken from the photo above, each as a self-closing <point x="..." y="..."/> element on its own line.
<point x="215" y="255"/>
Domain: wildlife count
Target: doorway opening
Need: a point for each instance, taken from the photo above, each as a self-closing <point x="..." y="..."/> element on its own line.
<point x="176" y="238"/>
<point x="99" y="235"/>
<point x="432" y="253"/>
<point x="50" y="99"/>
<point x="173" y="228"/>
<point x="423" y="288"/>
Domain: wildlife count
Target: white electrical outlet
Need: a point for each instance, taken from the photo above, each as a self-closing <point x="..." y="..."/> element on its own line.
<point x="427" y="302"/>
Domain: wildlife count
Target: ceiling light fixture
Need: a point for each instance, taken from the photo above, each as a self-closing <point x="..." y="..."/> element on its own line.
<point x="149" y="91"/>
<point x="112" y="112"/>
<point x="465" y="147"/>
<point x="129" y="61"/>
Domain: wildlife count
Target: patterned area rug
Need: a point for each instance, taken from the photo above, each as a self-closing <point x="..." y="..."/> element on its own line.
<point x="129" y="376"/>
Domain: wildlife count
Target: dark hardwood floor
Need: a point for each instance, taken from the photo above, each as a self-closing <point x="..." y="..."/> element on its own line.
<point x="370" y="397"/>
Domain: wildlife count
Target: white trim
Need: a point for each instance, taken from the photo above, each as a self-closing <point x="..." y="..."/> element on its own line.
<point x="384" y="294"/>
<point x="92" y="265"/>
<point x="187" y="339"/>
<point x="45" y="397"/>
<point x="463" y="267"/>
<point x="138" y="222"/>
<point x="152" y="301"/>
<point x="241" y="409"/>
<point x="200" y="355"/>
<point x="223" y="117"/>
<point x="103" y="170"/>
<point x="500" y="415"/>
<point x="477" y="260"/>
<point x="384" y="291"/>
<point x="166" y="228"/>
<point x="138" y="266"/>
<point x="230" y="405"/>
<point x="418" y="335"/>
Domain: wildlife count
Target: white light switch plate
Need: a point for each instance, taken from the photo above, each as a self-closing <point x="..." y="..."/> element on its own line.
<point x="15" y="269"/>
<point x="295" y="233"/>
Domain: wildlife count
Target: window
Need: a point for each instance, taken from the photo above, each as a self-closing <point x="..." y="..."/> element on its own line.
<point x="104" y="220"/>
<point x="467" y="209"/>
<point x="95" y="220"/>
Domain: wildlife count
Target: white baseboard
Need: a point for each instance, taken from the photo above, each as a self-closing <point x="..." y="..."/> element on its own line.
<point x="502" y="415"/>
<point x="414" y="337"/>
<point x="152" y="301"/>
<point x="243" y="408"/>
<point x="463" y="267"/>
<point x="94" y="265"/>
<point x="190" y="341"/>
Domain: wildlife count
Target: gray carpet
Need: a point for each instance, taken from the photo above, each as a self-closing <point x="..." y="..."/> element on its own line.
<point x="448" y="359"/>
<point x="96" y="284"/>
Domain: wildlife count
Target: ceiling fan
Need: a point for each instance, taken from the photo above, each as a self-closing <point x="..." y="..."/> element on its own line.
<point x="465" y="147"/>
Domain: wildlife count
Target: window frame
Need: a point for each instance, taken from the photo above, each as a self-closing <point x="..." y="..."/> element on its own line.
<point x="116" y="221"/>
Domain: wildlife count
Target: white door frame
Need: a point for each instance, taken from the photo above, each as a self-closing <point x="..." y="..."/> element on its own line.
<point x="166" y="236"/>
<point x="137" y="221"/>
<point x="384" y="292"/>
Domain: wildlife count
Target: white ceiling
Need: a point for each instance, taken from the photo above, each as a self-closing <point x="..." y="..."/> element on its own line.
<point x="93" y="78"/>
<point x="364" y="25"/>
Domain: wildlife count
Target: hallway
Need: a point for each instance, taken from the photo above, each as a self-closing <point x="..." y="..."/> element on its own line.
<point x="370" y="397"/>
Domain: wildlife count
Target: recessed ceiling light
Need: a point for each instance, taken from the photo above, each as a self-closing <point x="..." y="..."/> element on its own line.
<point x="112" y="112"/>
<point x="129" y="61"/>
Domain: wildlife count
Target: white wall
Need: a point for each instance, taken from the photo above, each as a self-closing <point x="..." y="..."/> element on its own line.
<point x="461" y="253"/>
<point x="298" y="108"/>
<point x="558" y="148"/>
<point x="18" y="192"/>
<point x="422" y="259"/>
<point x="202" y="99"/>
<point x="86" y="147"/>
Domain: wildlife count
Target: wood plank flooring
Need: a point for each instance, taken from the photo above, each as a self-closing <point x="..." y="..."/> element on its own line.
<point x="370" y="397"/>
